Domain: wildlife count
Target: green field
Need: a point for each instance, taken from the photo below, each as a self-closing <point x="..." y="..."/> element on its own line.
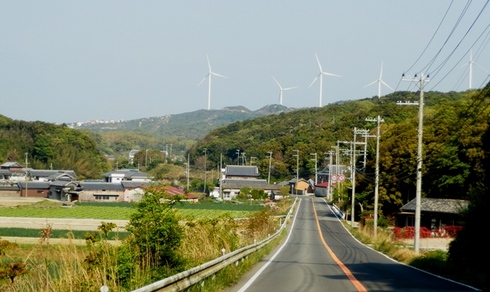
<point x="58" y="233"/>
<point x="123" y="211"/>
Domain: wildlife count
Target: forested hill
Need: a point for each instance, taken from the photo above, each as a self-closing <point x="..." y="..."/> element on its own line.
<point x="191" y="126"/>
<point x="50" y="146"/>
<point x="453" y="125"/>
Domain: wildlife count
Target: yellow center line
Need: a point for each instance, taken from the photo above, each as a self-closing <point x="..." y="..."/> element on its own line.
<point x="346" y="271"/>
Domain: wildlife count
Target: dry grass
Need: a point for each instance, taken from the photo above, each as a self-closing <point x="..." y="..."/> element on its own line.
<point x="71" y="267"/>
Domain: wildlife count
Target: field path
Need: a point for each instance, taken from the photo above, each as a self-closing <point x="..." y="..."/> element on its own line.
<point x="60" y="223"/>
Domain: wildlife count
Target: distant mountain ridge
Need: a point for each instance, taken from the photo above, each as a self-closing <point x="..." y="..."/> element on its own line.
<point x="191" y="125"/>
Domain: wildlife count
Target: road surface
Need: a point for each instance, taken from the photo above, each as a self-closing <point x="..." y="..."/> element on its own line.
<point x="319" y="254"/>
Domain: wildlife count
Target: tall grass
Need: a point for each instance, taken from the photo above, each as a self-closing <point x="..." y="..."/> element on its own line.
<point x="433" y="261"/>
<point x="48" y="267"/>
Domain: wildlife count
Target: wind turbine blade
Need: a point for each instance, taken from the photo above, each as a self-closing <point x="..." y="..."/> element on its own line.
<point x="218" y="75"/>
<point x="289" y="88"/>
<point x="318" y="61"/>
<point x="384" y="83"/>
<point x="209" y="64"/>
<point x="330" y="74"/>
<point x="205" y="77"/>
<point x="277" y="82"/>
<point x="374" y="82"/>
<point x="481" y="67"/>
<point x="314" y="80"/>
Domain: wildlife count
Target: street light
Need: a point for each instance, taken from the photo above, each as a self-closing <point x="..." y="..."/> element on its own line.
<point x="146" y="158"/>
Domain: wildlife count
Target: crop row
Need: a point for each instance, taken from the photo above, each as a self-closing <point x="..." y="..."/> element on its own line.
<point x="106" y="212"/>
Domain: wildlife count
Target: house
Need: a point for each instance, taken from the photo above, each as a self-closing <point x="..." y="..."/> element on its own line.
<point x="241" y="172"/>
<point x="33" y="189"/>
<point x="321" y="190"/>
<point x="301" y="186"/>
<point x="50" y="175"/>
<point x="236" y="177"/>
<point x="434" y="213"/>
<point x="117" y="176"/>
<point x="62" y="189"/>
<point x="102" y="191"/>
<point x="322" y="176"/>
<point x="231" y="187"/>
<point x="11" y="166"/>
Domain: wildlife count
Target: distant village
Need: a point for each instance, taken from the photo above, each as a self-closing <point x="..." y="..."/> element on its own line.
<point x="128" y="185"/>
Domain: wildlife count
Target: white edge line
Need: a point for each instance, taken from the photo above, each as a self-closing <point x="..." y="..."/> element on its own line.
<point x="392" y="259"/>
<point x="257" y="274"/>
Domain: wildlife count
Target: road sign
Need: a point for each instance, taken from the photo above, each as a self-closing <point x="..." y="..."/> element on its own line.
<point x="334" y="177"/>
<point x="341" y="178"/>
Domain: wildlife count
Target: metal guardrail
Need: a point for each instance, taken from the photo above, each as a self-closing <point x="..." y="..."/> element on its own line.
<point x="197" y="274"/>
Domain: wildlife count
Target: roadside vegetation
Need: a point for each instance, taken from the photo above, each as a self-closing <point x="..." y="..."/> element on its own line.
<point x="161" y="242"/>
<point x="433" y="261"/>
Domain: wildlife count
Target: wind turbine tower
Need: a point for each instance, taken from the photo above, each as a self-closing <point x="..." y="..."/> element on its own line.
<point x="379" y="81"/>
<point x="281" y="89"/>
<point x="321" y="78"/>
<point x="208" y="76"/>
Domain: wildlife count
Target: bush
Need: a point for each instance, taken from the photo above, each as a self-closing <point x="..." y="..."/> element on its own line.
<point x="157" y="233"/>
<point x="409" y="232"/>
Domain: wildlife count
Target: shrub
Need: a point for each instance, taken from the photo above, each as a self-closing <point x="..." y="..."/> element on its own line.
<point x="409" y="232"/>
<point x="157" y="233"/>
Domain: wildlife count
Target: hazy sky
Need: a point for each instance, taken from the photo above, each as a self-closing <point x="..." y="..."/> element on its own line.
<point x="67" y="61"/>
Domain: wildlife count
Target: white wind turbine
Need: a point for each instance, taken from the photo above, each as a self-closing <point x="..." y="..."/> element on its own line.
<point x="281" y="89"/>
<point x="321" y="78"/>
<point x="379" y="81"/>
<point x="208" y="76"/>
<point x="470" y="64"/>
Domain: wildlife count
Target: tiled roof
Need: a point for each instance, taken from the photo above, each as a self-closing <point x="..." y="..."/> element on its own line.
<point x="451" y="206"/>
<point x="51" y="173"/>
<point x="242" y="170"/>
<point x="134" y="184"/>
<point x="34" y="184"/>
<point x="101" y="186"/>
<point x="322" y="185"/>
<point x="250" y="183"/>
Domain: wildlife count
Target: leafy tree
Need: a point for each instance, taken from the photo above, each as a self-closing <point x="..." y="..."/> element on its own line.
<point x="468" y="249"/>
<point x="157" y="233"/>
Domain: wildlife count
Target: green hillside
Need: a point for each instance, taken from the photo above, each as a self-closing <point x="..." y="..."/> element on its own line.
<point x="453" y="126"/>
<point x="50" y="146"/>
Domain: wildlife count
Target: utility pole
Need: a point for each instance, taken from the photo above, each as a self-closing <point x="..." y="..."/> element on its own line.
<point x="353" y="178"/>
<point x="316" y="167"/>
<point x="26" y="177"/>
<point x="205" y="170"/>
<point x="187" y="171"/>
<point x="146" y="158"/>
<point x="238" y="156"/>
<point x="329" y="186"/>
<point x="270" y="162"/>
<point x="366" y="136"/>
<point x="353" y="174"/>
<point x="378" y="120"/>
<point x="418" y="191"/>
<point x="220" y="178"/>
<point x="297" y="165"/>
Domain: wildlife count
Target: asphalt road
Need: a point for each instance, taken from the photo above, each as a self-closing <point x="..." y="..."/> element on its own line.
<point x="319" y="254"/>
